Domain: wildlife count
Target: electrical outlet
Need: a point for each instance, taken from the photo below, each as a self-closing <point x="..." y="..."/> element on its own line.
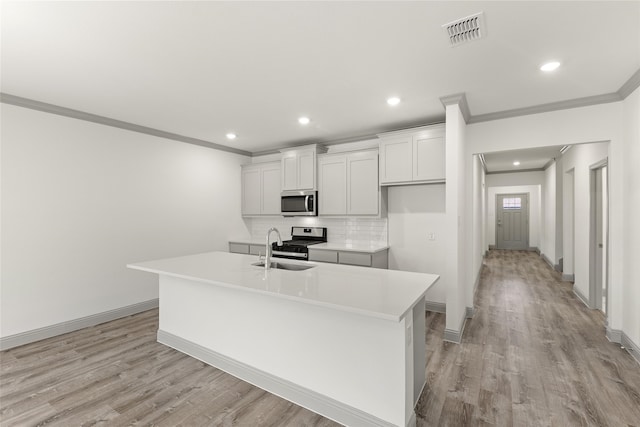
<point x="431" y="235"/>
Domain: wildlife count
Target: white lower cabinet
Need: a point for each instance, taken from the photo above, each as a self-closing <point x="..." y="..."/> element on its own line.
<point x="348" y="184"/>
<point x="247" y="248"/>
<point x="261" y="189"/>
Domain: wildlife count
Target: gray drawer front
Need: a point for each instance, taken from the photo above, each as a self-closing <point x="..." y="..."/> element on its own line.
<point x="323" y="256"/>
<point x="239" y="248"/>
<point x="355" y="258"/>
<point x="257" y="249"/>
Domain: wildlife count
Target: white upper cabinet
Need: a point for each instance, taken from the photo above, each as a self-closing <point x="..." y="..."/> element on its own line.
<point x="363" y="192"/>
<point x="261" y="189"/>
<point x="332" y="185"/>
<point x="413" y="156"/>
<point x="299" y="168"/>
<point x="348" y="184"/>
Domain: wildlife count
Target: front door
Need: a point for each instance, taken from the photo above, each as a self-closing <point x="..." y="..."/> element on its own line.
<point x="512" y="221"/>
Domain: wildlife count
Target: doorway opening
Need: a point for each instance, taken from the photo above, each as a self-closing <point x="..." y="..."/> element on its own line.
<point x="598" y="241"/>
<point x="512" y="221"/>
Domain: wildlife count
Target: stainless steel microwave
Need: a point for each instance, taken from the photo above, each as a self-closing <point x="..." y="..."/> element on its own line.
<point x="299" y="203"/>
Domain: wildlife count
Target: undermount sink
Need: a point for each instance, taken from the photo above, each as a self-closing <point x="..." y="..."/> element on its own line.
<point x="285" y="266"/>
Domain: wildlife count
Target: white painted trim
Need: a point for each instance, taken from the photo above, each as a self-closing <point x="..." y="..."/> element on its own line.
<point x="34" y="335"/>
<point x="453" y="335"/>
<point x="299" y="395"/>
<point x="568" y="277"/>
<point x="547" y="260"/>
<point x="545" y="108"/>
<point x="630" y="85"/>
<point x="581" y="296"/>
<point x="461" y="100"/>
<point x="436" y="307"/>
<point x="613" y="335"/>
<point x="619" y="337"/>
<point x="632" y="348"/>
<point x="107" y="121"/>
<point x="469" y="312"/>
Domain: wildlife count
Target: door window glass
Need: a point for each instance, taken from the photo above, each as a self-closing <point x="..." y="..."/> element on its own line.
<point x="511" y="203"/>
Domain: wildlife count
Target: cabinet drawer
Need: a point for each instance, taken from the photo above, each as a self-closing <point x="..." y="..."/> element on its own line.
<point x="239" y="248"/>
<point x="323" y="256"/>
<point x="257" y="249"/>
<point x="355" y="258"/>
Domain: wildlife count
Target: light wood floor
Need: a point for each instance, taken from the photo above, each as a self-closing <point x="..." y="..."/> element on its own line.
<point x="532" y="355"/>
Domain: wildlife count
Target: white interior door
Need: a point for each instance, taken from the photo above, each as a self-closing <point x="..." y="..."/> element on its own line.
<point x="512" y="221"/>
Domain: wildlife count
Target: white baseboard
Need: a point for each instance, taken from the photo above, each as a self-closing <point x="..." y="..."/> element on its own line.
<point x="34" y="335"/>
<point x="581" y="296"/>
<point x="568" y="277"/>
<point x="632" y="348"/>
<point x="619" y="337"/>
<point x="453" y="335"/>
<point x="436" y="307"/>
<point x="316" y="402"/>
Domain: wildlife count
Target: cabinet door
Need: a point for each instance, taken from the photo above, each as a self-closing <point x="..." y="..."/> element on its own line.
<point x="396" y="160"/>
<point x="289" y="171"/>
<point x="251" y="188"/>
<point x="362" y="184"/>
<point x="332" y="185"/>
<point x="271" y="189"/>
<point x="306" y="163"/>
<point x="428" y="158"/>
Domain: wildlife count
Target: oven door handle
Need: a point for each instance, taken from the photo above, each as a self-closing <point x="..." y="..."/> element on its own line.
<point x="291" y="254"/>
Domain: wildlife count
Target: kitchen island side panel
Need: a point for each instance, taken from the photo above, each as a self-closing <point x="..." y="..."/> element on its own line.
<point x="362" y="362"/>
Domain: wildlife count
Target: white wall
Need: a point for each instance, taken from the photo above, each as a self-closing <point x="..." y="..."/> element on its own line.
<point x="631" y="291"/>
<point x="458" y="274"/>
<point x="579" y="159"/>
<point x="534" y="192"/>
<point x="414" y="211"/>
<point x="548" y="222"/>
<point x="80" y="200"/>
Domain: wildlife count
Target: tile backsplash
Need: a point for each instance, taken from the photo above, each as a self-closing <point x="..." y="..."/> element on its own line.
<point x="339" y="230"/>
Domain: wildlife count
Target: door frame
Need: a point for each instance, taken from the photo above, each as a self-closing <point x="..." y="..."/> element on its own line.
<point x="526" y="194"/>
<point x="593" y="238"/>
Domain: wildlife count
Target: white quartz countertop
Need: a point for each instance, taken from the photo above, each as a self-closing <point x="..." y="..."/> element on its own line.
<point x="248" y="241"/>
<point x="372" y="248"/>
<point x="368" y="248"/>
<point x="373" y="292"/>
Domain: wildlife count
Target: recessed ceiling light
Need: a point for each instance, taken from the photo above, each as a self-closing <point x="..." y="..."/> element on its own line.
<point x="516" y="163"/>
<point x="393" y="101"/>
<point x="231" y="135"/>
<point x="304" y="120"/>
<point x="550" y="66"/>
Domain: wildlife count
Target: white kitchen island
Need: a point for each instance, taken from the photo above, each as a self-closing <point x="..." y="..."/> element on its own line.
<point x="346" y="342"/>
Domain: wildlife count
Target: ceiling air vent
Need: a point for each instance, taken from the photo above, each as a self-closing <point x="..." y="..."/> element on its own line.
<point x="466" y="29"/>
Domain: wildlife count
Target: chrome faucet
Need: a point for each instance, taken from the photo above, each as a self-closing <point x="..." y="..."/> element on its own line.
<point x="267" y="257"/>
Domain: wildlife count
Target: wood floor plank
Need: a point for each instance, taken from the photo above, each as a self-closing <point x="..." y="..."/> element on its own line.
<point x="532" y="355"/>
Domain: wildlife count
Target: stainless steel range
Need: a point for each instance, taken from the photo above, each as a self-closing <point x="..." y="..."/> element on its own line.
<point x="301" y="238"/>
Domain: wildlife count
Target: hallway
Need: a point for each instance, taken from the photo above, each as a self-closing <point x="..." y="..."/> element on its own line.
<point x="533" y="354"/>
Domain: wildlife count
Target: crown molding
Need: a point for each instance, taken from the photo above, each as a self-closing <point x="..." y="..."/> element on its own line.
<point x="545" y="108"/>
<point x="461" y="100"/>
<point x="630" y="85"/>
<point x="18" y="101"/>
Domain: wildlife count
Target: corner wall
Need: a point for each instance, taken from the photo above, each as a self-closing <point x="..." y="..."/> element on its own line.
<point x="579" y="160"/>
<point x="631" y="291"/>
<point x="81" y="200"/>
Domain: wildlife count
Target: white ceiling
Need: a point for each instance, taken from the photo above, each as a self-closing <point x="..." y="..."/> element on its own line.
<point x="532" y="158"/>
<point x="202" y="69"/>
